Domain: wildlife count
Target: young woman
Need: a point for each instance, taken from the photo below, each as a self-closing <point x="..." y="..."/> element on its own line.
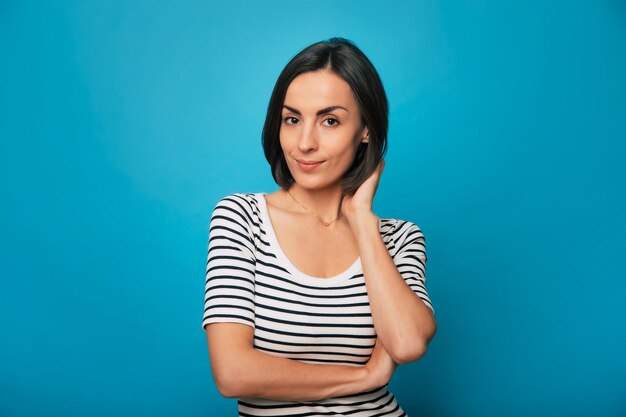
<point x="312" y="299"/>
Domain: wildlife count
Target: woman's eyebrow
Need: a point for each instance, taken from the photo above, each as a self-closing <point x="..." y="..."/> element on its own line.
<point x="319" y="112"/>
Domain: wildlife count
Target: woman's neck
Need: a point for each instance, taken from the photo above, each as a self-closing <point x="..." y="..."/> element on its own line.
<point x="325" y="203"/>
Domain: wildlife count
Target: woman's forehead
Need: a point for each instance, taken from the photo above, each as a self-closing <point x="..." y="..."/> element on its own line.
<point x="311" y="91"/>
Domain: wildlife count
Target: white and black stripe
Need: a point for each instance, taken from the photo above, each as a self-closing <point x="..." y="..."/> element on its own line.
<point x="250" y="280"/>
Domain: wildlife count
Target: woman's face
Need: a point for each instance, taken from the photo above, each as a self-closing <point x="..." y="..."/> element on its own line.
<point x="321" y="122"/>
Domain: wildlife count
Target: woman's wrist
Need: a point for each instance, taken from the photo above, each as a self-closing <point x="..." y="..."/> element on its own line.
<point x="372" y="378"/>
<point x="354" y="380"/>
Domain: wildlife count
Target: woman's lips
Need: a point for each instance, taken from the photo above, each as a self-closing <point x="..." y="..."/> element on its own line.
<point x="308" y="167"/>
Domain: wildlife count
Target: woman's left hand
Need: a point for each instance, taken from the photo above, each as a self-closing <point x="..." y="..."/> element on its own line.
<point x="361" y="202"/>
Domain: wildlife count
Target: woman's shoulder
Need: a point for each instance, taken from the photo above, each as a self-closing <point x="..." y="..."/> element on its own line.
<point x="244" y="200"/>
<point x="395" y="231"/>
<point x="243" y="206"/>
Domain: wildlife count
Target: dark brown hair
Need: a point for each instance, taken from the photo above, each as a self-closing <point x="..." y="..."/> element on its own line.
<point x="345" y="59"/>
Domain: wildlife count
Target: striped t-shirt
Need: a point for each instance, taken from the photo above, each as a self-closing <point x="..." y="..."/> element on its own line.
<point x="250" y="280"/>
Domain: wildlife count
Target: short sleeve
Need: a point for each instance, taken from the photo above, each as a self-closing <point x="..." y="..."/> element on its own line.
<point x="229" y="285"/>
<point x="410" y="258"/>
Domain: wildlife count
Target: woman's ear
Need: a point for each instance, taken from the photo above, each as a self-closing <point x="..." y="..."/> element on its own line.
<point x="365" y="136"/>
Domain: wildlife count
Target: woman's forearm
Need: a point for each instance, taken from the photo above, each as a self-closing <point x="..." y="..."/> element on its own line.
<point x="240" y="370"/>
<point x="260" y="375"/>
<point x="402" y="321"/>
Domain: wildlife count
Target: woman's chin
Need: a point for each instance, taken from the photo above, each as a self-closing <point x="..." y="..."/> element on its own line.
<point x="316" y="183"/>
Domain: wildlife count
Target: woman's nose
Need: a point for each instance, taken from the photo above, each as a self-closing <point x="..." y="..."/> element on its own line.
<point x="308" y="138"/>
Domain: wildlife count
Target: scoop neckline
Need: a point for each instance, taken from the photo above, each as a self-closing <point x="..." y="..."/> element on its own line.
<point x="295" y="272"/>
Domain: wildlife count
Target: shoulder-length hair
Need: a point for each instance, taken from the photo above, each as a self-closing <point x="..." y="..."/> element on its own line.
<point x="345" y="59"/>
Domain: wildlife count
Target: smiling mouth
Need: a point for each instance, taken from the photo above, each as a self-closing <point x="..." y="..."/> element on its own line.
<point x="308" y="167"/>
<point x="308" y="162"/>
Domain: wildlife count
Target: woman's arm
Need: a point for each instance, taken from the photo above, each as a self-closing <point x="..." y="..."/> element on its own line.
<point x="239" y="370"/>
<point x="403" y="322"/>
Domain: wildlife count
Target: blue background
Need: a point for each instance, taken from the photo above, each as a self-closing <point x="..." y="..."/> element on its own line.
<point x="122" y="123"/>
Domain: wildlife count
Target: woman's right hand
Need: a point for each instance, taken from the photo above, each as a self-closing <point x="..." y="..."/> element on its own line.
<point x="380" y="367"/>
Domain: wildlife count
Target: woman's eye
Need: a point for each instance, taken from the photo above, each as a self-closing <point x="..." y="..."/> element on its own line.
<point x="332" y="121"/>
<point x="288" y="120"/>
